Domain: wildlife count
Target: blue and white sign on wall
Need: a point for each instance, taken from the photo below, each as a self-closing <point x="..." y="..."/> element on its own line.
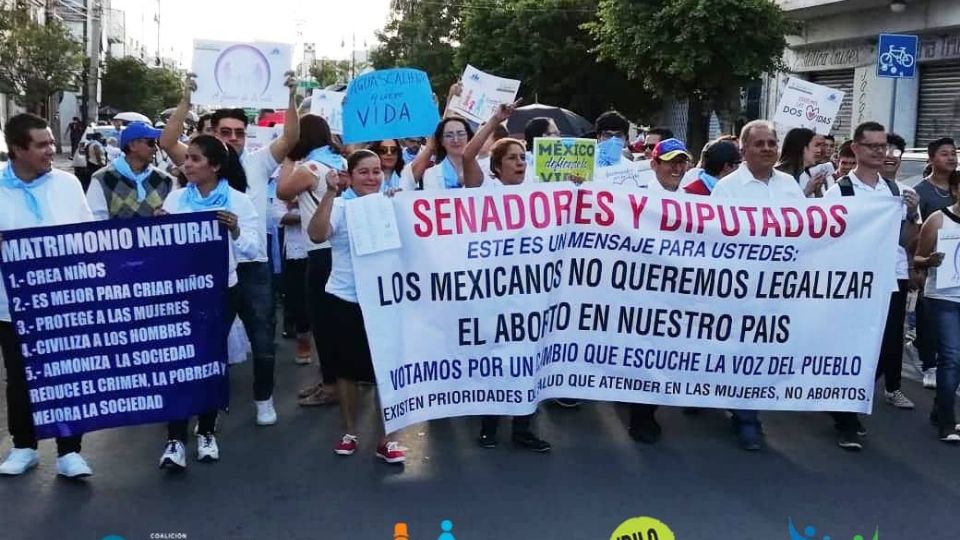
<point x="897" y="56"/>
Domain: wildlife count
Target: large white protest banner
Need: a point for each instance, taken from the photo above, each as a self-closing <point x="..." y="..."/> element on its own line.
<point x="499" y="299"/>
<point x="808" y="105"/>
<point x="329" y="105"/>
<point x="482" y="94"/>
<point x="232" y="74"/>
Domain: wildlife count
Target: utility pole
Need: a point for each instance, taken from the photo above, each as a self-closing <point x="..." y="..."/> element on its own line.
<point x="85" y="77"/>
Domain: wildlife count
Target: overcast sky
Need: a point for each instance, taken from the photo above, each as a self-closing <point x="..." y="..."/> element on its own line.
<point x="324" y="22"/>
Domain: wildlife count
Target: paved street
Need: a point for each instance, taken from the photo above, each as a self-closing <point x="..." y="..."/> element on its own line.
<point x="285" y="482"/>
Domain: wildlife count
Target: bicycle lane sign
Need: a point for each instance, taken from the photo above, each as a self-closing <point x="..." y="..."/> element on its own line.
<point x="897" y="56"/>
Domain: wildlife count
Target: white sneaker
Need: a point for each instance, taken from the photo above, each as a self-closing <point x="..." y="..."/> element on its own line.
<point x="266" y="414"/>
<point x="897" y="399"/>
<point x="930" y="378"/>
<point x="73" y="465"/>
<point x="174" y="456"/>
<point x="18" y="461"/>
<point x="207" y="449"/>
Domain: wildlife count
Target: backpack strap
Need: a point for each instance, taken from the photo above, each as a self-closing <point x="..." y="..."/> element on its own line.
<point x="892" y="186"/>
<point x="846" y="186"/>
<point x="950" y="215"/>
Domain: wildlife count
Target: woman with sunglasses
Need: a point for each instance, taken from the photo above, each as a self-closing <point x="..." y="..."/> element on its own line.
<point x="344" y="336"/>
<point x="453" y="134"/>
<point x="391" y="161"/>
<point x="209" y="165"/>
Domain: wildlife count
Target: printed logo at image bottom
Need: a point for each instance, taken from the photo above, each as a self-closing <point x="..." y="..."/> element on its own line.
<point x="642" y="528"/>
<point x="810" y="533"/>
<point x="401" y="531"/>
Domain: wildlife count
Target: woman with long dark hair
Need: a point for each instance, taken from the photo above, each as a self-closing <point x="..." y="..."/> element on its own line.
<point x="210" y="167"/>
<point x="302" y="179"/>
<point x="798" y="154"/>
<point x="345" y="338"/>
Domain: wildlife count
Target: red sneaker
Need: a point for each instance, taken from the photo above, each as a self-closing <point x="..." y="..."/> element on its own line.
<point x="347" y="445"/>
<point x="392" y="452"/>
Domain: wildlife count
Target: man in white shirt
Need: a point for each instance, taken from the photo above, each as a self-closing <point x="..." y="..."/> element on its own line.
<point x="33" y="194"/>
<point x="756" y="179"/>
<point x="870" y="145"/>
<point x="257" y="308"/>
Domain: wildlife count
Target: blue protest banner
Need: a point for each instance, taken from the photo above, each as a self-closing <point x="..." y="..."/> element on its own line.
<point x="389" y="104"/>
<point x="120" y="322"/>
<point x="897" y="56"/>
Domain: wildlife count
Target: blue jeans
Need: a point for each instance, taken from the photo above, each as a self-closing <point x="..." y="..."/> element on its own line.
<point x="947" y="317"/>
<point x="256" y="311"/>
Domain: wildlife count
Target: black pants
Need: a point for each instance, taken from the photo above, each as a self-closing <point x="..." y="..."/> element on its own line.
<point x="177" y="429"/>
<point x="641" y="413"/>
<point x="257" y="310"/>
<point x="19" y="417"/>
<point x="890" y="364"/>
<point x="295" y="295"/>
<point x="926" y="340"/>
<point x="521" y="424"/>
<point x="319" y="263"/>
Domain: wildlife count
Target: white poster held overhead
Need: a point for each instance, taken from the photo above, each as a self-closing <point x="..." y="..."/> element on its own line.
<point x="808" y="105"/>
<point x="329" y="105"/>
<point x="546" y="291"/>
<point x="231" y="74"/>
<point x="483" y="93"/>
<point x="260" y="136"/>
<point x="948" y="273"/>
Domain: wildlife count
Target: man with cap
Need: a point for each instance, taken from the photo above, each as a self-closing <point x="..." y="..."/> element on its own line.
<point x="720" y="158"/>
<point x="669" y="162"/>
<point x="130" y="185"/>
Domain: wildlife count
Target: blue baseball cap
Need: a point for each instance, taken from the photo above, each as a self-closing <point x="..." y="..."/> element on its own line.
<point x="669" y="149"/>
<point x="138" y="130"/>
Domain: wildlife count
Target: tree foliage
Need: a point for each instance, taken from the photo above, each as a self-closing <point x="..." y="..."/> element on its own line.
<point x="36" y="60"/>
<point x="130" y="85"/>
<point x="423" y="35"/>
<point x="542" y="43"/>
<point x="703" y="50"/>
<point x="328" y="72"/>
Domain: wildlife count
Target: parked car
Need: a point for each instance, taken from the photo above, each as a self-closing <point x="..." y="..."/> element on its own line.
<point x="912" y="164"/>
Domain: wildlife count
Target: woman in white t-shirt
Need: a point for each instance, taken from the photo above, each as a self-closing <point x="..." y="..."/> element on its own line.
<point x="944" y="303"/>
<point x="344" y="337"/>
<point x="302" y="179"/>
<point x="210" y="165"/>
<point x="509" y="166"/>
<point x="453" y="134"/>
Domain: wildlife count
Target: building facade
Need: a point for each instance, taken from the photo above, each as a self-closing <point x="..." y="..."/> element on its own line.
<point x="838" y="48"/>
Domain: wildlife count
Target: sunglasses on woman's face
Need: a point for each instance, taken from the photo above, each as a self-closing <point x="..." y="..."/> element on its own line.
<point x="387" y="150"/>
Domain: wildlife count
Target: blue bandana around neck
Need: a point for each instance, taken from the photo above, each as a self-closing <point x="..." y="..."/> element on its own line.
<point x="10" y="180"/>
<point x="139" y="180"/>
<point x="328" y="157"/>
<point x="450" y="177"/>
<point x="409" y="156"/>
<point x="218" y="199"/>
<point x="393" y="182"/>
<point x="610" y="151"/>
<point x="709" y="180"/>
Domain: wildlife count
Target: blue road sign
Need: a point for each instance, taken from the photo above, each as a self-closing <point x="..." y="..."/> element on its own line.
<point x="897" y="56"/>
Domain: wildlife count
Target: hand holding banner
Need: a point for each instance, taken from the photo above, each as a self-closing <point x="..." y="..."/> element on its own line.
<point x="389" y="104"/>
